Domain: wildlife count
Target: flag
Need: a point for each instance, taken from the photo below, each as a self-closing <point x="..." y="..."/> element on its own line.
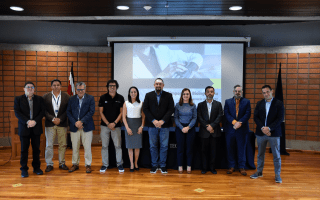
<point x="279" y="95"/>
<point x="71" y="90"/>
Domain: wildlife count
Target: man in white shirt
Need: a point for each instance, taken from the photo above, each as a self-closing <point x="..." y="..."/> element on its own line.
<point x="56" y="123"/>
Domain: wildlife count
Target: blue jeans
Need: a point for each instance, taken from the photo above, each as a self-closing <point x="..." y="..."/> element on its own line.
<point x="275" y="147"/>
<point x="156" y="134"/>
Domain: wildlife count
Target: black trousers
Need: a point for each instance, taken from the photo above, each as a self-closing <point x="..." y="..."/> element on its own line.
<point x="209" y="152"/>
<point x="25" y="143"/>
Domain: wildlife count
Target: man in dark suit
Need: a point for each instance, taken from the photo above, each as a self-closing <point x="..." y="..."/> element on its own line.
<point x="80" y="110"/>
<point x="209" y="116"/>
<point x="268" y="115"/>
<point x="158" y="107"/>
<point x="29" y="109"/>
<point x="56" y="123"/>
<point x="237" y="111"/>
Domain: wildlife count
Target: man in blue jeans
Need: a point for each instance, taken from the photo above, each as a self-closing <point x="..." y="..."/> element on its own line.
<point x="268" y="115"/>
<point x="158" y="107"/>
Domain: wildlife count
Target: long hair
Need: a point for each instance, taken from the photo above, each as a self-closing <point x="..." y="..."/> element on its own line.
<point x="181" y="97"/>
<point x="129" y="97"/>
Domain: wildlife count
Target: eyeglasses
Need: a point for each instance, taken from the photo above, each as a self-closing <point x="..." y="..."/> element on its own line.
<point x="28" y="87"/>
<point x="112" y="86"/>
<point x="80" y="90"/>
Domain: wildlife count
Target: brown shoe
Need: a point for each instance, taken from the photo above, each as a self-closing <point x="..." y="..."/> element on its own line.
<point x="49" y="168"/>
<point x="243" y="172"/>
<point x="88" y="169"/>
<point x="64" y="167"/>
<point x="74" y="168"/>
<point x="230" y="171"/>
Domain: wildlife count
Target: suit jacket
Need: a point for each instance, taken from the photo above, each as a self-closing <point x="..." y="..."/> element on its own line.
<point x="163" y="111"/>
<point x="22" y="112"/>
<point x="274" y="120"/>
<point x="86" y="112"/>
<point x="62" y="113"/>
<point x="214" y="121"/>
<point x="230" y="114"/>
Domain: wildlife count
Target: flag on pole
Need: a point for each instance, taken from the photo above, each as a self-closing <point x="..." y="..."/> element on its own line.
<point x="71" y="90"/>
<point x="279" y="95"/>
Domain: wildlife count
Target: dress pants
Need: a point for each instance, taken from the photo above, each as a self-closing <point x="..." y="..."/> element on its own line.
<point x="51" y="133"/>
<point x="25" y="143"/>
<point x="185" y="142"/>
<point x="86" y="142"/>
<point x="208" y="152"/>
<point x="236" y="147"/>
<point x="105" y="139"/>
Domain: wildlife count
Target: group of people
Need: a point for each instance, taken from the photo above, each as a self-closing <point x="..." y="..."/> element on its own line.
<point x="155" y="112"/>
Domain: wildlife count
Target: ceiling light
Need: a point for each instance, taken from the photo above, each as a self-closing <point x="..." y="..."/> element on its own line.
<point x="15" y="8"/>
<point x="235" y="8"/>
<point x="123" y="7"/>
<point x="147" y="8"/>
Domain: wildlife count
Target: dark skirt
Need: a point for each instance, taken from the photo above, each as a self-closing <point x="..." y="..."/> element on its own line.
<point x="134" y="141"/>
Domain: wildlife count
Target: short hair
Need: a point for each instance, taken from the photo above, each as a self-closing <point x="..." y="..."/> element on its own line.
<point x="181" y="97"/>
<point x="112" y="81"/>
<point x="208" y="87"/>
<point x="129" y="97"/>
<point x="80" y="84"/>
<point x="234" y="88"/>
<point x="55" y="80"/>
<point x="159" y="79"/>
<point x="29" y="82"/>
<point x="266" y="86"/>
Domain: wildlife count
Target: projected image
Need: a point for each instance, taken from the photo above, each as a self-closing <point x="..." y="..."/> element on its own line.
<point x="192" y="66"/>
<point x="176" y="61"/>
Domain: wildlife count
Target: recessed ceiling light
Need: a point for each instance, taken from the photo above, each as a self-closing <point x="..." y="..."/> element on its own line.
<point x="15" y="8"/>
<point x="235" y="8"/>
<point x="123" y="7"/>
<point x="147" y="8"/>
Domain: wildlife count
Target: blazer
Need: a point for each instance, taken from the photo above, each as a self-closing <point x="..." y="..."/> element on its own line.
<point x="215" y="118"/>
<point x="22" y="112"/>
<point x="62" y="113"/>
<point x="86" y="112"/>
<point x="161" y="111"/>
<point x="230" y="114"/>
<point x="274" y="120"/>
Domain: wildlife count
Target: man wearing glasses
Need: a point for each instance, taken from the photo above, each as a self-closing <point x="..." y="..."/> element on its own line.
<point x="110" y="107"/>
<point x="29" y="109"/>
<point x="56" y="123"/>
<point x="80" y="110"/>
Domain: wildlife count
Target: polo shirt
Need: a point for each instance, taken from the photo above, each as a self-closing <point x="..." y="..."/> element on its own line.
<point x="111" y="107"/>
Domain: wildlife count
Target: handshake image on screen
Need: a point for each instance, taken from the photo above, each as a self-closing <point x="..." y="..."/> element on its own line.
<point x="179" y="70"/>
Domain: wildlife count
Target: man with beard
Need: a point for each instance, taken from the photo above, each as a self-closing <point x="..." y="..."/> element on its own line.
<point x="268" y="115"/>
<point x="158" y="107"/>
<point x="29" y="109"/>
<point x="209" y="116"/>
<point x="237" y="111"/>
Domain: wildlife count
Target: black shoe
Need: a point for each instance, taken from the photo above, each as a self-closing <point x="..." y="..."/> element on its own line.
<point x="214" y="171"/>
<point x="38" y="171"/>
<point x="49" y="168"/>
<point x="131" y="170"/>
<point x="137" y="169"/>
<point x="164" y="170"/>
<point x="64" y="167"/>
<point x="153" y="170"/>
<point x="24" y="174"/>
<point x="203" y="171"/>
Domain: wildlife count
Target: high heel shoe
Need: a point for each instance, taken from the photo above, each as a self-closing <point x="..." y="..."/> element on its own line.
<point x="189" y="170"/>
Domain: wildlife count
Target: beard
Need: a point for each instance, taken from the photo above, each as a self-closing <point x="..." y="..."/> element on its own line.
<point x="209" y="97"/>
<point x="158" y="89"/>
<point x="237" y="97"/>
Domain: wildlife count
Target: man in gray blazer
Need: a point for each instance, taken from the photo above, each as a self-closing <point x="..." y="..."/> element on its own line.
<point x="209" y="116"/>
<point x="56" y="123"/>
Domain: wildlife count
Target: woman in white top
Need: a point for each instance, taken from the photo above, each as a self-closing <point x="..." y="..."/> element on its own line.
<point x="133" y="119"/>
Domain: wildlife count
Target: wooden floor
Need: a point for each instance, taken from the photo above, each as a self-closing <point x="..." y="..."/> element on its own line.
<point x="300" y="175"/>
